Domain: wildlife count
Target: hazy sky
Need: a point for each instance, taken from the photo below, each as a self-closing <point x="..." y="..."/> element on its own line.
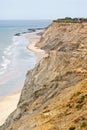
<point x="42" y="9"/>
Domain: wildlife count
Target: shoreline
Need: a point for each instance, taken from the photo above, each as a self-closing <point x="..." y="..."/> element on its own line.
<point x="33" y="39"/>
<point x="9" y="103"/>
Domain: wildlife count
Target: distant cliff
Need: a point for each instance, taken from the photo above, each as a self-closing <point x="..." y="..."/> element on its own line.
<point x="54" y="96"/>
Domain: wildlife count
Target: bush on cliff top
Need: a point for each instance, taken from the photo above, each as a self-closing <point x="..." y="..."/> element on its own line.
<point x="71" y="20"/>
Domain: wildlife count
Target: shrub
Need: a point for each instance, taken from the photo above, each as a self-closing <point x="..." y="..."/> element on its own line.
<point x="78" y="93"/>
<point x="84" y="124"/>
<point x="79" y="106"/>
<point x="72" y="128"/>
<point x="82" y="99"/>
<point x="71" y="20"/>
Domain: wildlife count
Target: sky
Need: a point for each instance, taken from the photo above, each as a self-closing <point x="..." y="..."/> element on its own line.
<point x="42" y="9"/>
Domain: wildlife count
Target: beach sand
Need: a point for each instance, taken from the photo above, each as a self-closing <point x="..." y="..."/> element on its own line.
<point x="33" y="39"/>
<point x="9" y="103"/>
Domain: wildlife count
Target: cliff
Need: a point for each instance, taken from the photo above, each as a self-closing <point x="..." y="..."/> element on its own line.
<point x="54" y="96"/>
<point x="64" y="37"/>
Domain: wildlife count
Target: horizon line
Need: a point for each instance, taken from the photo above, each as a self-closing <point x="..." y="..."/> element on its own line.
<point x="25" y="19"/>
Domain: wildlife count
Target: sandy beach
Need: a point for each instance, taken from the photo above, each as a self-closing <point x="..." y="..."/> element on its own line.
<point x="33" y="39"/>
<point x="9" y="103"/>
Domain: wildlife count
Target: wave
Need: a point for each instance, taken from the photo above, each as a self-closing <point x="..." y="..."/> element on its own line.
<point x="9" y="54"/>
<point x="12" y="52"/>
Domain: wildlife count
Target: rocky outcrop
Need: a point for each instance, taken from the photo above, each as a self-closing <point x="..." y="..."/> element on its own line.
<point x="54" y="96"/>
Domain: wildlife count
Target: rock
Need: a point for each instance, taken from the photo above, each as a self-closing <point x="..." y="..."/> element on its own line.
<point x="17" y="34"/>
<point x="24" y="32"/>
<point x="31" y="30"/>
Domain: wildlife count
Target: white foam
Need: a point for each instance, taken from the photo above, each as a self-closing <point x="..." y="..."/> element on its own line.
<point x="6" y="59"/>
<point x="10" y="53"/>
<point x="8" y="48"/>
<point x="5" y="62"/>
<point x="2" y="72"/>
<point x="16" y="40"/>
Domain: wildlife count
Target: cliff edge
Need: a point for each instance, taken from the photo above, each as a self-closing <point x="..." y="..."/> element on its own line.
<point x="54" y="96"/>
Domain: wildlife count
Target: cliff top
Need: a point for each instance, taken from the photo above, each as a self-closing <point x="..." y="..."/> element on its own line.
<point x="71" y="20"/>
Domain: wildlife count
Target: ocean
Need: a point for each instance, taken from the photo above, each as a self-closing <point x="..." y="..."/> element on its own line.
<point x="15" y="58"/>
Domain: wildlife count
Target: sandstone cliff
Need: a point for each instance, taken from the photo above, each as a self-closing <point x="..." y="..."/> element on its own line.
<point x="54" y="96"/>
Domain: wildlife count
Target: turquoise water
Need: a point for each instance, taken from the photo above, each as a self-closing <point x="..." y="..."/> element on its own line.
<point x="15" y="59"/>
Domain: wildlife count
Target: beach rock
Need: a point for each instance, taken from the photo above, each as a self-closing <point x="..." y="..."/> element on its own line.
<point x="31" y="30"/>
<point x="34" y="29"/>
<point x="17" y="34"/>
<point x="24" y="32"/>
<point x="54" y="96"/>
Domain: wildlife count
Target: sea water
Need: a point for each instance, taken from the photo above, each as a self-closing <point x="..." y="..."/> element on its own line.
<point x="15" y="58"/>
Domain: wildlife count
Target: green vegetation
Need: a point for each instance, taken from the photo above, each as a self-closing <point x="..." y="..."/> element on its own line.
<point x="84" y="124"/>
<point x="76" y="94"/>
<point x="79" y="106"/>
<point x="81" y="99"/>
<point x="71" y="20"/>
<point x="72" y="128"/>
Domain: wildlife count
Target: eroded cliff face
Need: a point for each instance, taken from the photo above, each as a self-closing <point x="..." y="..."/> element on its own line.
<point x="54" y="96"/>
<point x="64" y="37"/>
